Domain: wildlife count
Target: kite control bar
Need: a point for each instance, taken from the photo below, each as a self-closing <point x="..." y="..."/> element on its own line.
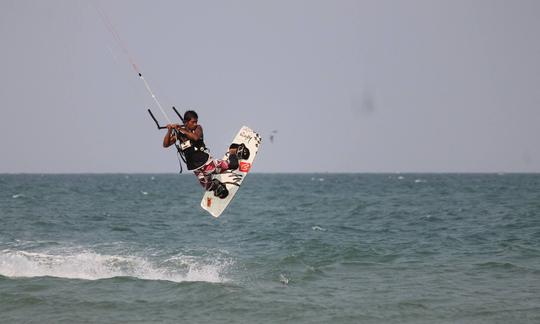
<point x="179" y="150"/>
<point x="155" y="120"/>
<point x="157" y="123"/>
<point x="178" y="114"/>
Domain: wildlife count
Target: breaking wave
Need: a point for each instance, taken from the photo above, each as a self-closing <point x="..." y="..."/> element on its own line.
<point x="89" y="265"/>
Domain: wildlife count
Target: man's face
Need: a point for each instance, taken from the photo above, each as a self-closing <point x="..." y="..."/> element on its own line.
<point x="191" y="124"/>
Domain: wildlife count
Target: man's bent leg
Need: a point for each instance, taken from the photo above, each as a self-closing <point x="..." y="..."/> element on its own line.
<point x="204" y="174"/>
<point x="204" y="179"/>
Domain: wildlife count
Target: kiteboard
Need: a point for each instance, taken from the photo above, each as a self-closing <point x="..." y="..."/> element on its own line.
<point x="233" y="179"/>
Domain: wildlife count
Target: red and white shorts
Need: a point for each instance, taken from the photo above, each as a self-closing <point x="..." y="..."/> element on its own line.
<point x="204" y="173"/>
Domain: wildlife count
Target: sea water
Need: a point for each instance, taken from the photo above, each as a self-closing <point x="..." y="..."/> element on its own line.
<point x="290" y="248"/>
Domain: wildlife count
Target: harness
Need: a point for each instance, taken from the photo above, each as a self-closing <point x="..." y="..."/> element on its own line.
<point x="194" y="153"/>
<point x="179" y="153"/>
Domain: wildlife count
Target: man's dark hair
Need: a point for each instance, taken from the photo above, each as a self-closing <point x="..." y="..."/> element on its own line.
<point x="189" y="115"/>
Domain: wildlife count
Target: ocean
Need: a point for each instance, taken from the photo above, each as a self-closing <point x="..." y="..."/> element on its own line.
<point x="290" y="248"/>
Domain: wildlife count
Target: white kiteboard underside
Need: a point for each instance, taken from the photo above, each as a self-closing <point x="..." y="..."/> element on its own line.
<point x="233" y="178"/>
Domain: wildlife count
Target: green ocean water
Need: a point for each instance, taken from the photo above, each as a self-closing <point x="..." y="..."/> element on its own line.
<point x="291" y="248"/>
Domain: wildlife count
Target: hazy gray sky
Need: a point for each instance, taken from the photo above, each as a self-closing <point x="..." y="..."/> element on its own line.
<point x="350" y="86"/>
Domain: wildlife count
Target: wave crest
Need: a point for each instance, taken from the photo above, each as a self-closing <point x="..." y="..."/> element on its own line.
<point x="89" y="265"/>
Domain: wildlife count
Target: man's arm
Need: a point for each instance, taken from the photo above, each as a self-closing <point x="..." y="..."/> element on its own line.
<point x="195" y="135"/>
<point x="169" y="138"/>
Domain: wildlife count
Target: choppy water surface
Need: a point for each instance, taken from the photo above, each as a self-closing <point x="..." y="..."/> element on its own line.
<point x="302" y="248"/>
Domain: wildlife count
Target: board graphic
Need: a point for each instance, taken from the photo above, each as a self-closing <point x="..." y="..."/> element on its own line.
<point x="233" y="178"/>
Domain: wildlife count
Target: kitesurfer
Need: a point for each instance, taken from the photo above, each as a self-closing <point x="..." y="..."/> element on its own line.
<point x="198" y="159"/>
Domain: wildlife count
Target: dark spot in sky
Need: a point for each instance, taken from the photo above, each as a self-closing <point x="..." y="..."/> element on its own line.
<point x="274" y="132"/>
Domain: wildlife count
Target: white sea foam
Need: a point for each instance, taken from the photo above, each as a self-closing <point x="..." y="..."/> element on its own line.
<point x="283" y="279"/>
<point x="89" y="265"/>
